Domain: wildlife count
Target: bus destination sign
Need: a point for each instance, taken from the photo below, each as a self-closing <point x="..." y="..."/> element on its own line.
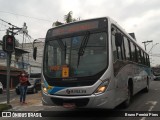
<point x="77" y="27"/>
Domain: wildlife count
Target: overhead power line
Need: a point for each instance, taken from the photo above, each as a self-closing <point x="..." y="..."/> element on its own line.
<point x="6" y="26"/>
<point x="8" y="23"/>
<point x="26" y="16"/>
<point x="3" y="30"/>
<point x="17" y="28"/>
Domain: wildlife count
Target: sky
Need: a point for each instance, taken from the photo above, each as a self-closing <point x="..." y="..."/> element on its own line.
<point x="139" y="16"/>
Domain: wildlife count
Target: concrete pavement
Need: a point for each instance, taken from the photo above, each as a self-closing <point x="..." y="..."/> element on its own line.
<point x="32" y="100"/>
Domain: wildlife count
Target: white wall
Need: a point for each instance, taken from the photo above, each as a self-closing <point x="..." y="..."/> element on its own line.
<point x="32" y="62"/>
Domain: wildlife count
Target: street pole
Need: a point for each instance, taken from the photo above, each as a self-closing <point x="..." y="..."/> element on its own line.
<point x="24" y="32"/>
<point x="8" y="76"/>
<point x="147" y="44"/>
<point x="8" y="72"/>
<point x="8" y="46"/>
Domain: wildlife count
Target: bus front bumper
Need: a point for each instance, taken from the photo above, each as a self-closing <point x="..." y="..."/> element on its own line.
<point x="105" y="100"/>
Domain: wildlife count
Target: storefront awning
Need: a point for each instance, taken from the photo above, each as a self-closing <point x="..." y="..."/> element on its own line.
<point x="13" y="71"/>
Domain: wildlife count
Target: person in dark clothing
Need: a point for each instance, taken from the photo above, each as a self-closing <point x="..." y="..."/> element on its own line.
<point x="23" y="79"/>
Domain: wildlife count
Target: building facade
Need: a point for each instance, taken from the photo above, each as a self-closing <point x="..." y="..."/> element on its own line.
<point x="34" y="66"/>
<point x="15" y="67"/>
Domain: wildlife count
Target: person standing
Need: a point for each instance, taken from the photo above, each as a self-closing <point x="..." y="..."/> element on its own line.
<point x="23" y="79"/>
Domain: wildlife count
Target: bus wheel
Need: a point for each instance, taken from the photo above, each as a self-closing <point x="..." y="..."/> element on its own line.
<point x="127" y="102"/>
<point x="146" y="89"/>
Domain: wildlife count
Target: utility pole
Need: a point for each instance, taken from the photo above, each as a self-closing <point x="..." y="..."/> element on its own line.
<point x="8" y="77"/>
<point x="8" y="74"/>
<point x="8" y="47"/>
<point x="146" y="44"/>
<point x="24" y="30"/>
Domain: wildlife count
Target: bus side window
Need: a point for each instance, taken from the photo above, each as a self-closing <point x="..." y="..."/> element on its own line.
<point x="119" y="45"/>
<point x="148" y="60"/>
<point x="143" y="58"/>
<point x="141" y="53"/>
<point x="133" y="52"/>
<point x="114" y="49"/>
<point x="123" y="50"/>
<point x="118" y="51"/>
<point x="126" y="46"/>
<point x="138" y="55"/>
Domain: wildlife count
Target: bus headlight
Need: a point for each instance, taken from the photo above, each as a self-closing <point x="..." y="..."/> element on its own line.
<point x="102" y="87"/>
<point x="44" y="89"/>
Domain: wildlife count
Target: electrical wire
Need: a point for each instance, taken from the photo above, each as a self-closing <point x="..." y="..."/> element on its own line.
<point x="26" y="16"/>
<point x="6" y="26"/>
<point x="28" y="37"/>
<point x="8" y="23"/>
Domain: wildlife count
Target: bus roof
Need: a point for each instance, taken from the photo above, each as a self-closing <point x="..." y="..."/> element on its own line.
<point x="127" y="34"/>
<point x="109" y="19"/>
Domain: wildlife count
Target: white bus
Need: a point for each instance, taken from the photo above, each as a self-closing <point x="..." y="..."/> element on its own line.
<point x="92" y="64"/>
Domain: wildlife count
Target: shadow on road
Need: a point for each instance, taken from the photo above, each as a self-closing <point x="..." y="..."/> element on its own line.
<point x="119" y="111"/>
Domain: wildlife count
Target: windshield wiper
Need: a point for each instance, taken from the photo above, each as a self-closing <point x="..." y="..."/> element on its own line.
<point x="82" y="47"/>
<point x="61" y="45"/>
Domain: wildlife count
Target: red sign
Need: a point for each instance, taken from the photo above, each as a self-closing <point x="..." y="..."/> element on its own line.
<point x="9" y="40"/>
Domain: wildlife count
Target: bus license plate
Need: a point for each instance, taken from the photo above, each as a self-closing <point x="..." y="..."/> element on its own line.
<point x="69" y="105"/>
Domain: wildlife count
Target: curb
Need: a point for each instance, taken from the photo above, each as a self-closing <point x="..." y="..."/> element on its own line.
<point x="11" y="90"/>
<point x="5" y="91"/>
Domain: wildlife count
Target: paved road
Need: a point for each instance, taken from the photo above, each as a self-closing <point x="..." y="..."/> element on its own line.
<point x="141" y="102"/>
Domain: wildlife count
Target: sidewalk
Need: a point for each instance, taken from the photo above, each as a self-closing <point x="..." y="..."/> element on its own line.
<point x="11" y="90"/>
<point x="32" y="101"/>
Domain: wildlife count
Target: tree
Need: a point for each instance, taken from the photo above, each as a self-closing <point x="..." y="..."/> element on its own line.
<point x="68" y="18"/>
<point x="57" y="23"/>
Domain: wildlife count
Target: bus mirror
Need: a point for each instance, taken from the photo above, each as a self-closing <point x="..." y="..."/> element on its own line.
<point x="118" y="39"/>
<point x="35" y="53"/>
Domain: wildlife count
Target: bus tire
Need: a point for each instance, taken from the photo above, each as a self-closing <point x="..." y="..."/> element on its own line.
<point x="146" y="89"/>
<point x="127" y="102"/>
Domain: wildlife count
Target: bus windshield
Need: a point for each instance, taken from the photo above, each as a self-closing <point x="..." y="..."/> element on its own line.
<point x="76" y="56"/>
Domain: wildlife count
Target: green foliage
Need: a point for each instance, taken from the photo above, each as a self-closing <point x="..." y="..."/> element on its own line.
<point x="57" y="23"/>
<point x="67" y="18"/>
<point x="5" y="107"/>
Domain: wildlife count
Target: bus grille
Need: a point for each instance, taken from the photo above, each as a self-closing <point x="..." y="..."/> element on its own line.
<point x="78" y="102"/>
